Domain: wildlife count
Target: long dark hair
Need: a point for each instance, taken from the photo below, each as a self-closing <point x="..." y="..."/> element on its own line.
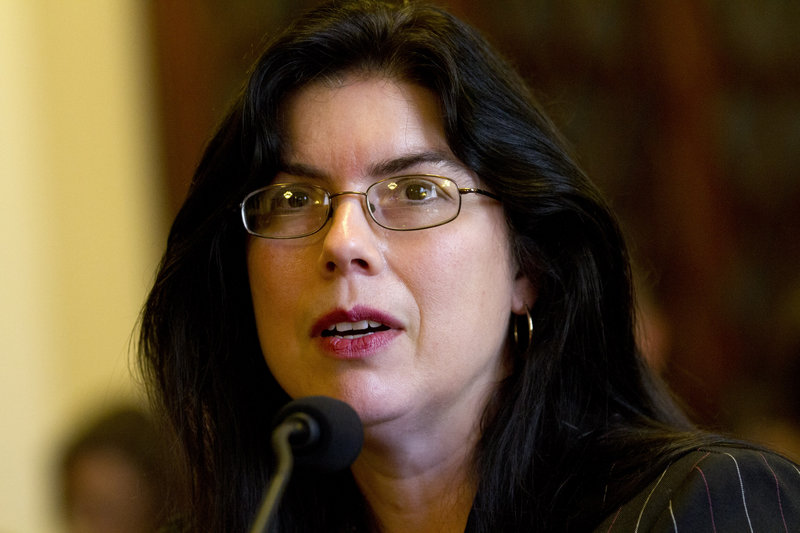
<point x="579" y="403"/>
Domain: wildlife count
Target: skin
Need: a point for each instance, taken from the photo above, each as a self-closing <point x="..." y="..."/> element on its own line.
<point x="447" y="294"/>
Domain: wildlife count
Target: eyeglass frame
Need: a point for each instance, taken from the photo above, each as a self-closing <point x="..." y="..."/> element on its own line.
<point x="330" y="196"/>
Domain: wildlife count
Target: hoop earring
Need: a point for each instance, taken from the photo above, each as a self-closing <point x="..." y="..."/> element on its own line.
<point x="530" y="329"/>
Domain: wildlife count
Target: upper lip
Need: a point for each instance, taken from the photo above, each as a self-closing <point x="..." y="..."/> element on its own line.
<point x="355" y="314"/>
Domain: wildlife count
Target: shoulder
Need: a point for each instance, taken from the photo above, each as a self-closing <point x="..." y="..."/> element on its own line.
<point x="719" y="488"/>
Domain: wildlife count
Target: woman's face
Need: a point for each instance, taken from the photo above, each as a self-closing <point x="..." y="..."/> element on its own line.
<point x="437" y="300"/>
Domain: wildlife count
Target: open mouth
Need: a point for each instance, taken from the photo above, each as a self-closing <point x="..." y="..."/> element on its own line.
<point x="352" y="330"/>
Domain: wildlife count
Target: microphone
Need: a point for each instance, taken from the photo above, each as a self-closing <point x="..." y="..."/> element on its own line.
<point x="315" y="432"/>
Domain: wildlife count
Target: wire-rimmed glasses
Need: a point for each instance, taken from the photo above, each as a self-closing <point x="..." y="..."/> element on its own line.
<point x="401" y="203"/>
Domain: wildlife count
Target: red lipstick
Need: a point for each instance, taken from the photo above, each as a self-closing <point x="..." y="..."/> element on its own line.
<point x="356" y="333"/>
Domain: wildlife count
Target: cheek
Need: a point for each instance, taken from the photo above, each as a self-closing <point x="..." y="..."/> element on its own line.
<point x="464" y="285"/>
<point x="274" y="279"/>
<point x="481" y="258"/>
<point x="261" y="274"/>
<point x="271" y="281"/>
<point x="274" y="270"/>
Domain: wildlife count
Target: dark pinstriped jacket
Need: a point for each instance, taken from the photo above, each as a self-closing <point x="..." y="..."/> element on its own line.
<point x="719" y="489"/>
<point x="716" y="490"/>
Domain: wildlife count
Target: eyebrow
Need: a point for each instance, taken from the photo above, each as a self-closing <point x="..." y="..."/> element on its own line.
<point x="385" y="168"/>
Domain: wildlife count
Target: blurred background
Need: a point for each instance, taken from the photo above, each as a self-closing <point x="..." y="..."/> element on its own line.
<point x="686" y="113"/>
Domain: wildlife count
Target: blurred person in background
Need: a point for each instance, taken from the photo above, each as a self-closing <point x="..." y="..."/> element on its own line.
<point x="115" y="475"/>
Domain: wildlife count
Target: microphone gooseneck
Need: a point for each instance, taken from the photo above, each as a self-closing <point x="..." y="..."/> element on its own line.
<point x="315" y="432"/>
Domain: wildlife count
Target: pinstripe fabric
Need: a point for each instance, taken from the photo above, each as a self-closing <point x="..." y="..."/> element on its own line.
<point x="715" y="490"/>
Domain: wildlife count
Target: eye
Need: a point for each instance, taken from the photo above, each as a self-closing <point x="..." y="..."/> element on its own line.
<point x="420" y="191"/>
<point x="414" y="190"/>
<point x="295" y="197"/>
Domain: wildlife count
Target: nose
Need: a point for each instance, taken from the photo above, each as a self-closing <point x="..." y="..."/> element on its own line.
<point x="350" y="244"/>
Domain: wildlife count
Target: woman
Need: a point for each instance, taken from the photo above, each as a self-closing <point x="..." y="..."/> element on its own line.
<point x="386" y="217"/>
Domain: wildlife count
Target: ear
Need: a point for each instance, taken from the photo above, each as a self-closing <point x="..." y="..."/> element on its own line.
<point x="524" y="294"/>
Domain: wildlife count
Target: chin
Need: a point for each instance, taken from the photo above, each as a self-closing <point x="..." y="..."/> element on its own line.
<point x="374" y="402"/>
<point x="373" y="409"/>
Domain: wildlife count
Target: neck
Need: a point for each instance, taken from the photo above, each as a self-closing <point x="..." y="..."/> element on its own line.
<point x="436" y="499"/>
<point x="417" y="470"/>
<point x="422" y="483"/>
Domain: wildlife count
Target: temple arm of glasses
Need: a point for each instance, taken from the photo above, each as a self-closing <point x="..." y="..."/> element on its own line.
<point x="478" y="191"/>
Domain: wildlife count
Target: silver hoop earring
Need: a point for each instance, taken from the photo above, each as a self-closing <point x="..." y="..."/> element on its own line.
<point x="530" y="329"/>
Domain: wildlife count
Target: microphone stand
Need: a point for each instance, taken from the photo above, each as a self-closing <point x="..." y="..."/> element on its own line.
<point x="298" y="424"/>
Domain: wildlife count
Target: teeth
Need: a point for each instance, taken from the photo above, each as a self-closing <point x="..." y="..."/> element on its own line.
<point x="349" y="326"/>
<point x="342" y="327"/>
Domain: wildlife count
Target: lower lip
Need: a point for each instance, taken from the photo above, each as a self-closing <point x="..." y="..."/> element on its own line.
<point x="357" y="348"/>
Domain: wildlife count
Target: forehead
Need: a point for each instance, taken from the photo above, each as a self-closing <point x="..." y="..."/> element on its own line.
<point x="351" y="123"/>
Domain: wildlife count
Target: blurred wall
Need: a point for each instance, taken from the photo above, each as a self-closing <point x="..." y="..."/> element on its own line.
<point x="81" y="226"/>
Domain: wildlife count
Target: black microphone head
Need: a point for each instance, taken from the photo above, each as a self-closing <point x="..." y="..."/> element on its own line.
<point x="340" y="433"/>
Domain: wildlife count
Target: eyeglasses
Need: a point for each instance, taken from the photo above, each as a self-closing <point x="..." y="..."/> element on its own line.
<point x="402" y="203"/>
